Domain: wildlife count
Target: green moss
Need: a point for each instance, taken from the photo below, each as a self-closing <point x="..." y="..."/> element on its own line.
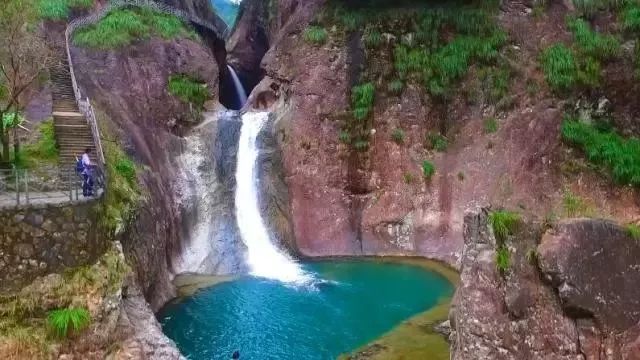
<point x="188" y="89"/>
<point x="122" y="27"/>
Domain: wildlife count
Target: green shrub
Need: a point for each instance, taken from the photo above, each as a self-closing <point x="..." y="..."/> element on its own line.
<point x="503" y="259"/>
<point x="395" y="86"/>
<point x="491" y="125"/>
<point x="560" y="68"/>
<point x="63" y="322"/>
<point x="504" y="224"/>
<point x="398" y="136"/>
<point x="428" y="169"/>
<point x="188" y="89"/>
<point x="123" y="26"/>
<point x="606" y="148"/>
<point x="372" y="38"/>
<point x="634" y="231"/>
<point x="592" y="43"/>
<point x="437" y="142"/>
<point x="315" y="35"/>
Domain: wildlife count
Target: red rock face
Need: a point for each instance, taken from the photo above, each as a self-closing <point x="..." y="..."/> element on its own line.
<point x="130" y="86"/>
<point x="378" y="203"/>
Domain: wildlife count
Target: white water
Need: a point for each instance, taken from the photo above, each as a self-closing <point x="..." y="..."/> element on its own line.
<point x="264" y="258"/>
<point x="242" y="95"/>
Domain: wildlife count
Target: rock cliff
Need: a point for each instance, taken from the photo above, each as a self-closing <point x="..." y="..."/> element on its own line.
<point x="563" y="297"/>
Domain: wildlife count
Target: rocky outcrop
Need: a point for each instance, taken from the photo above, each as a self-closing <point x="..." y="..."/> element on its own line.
<point x="594" y="266"/>
<point x="521" y="315"/>
<point x="130" y="86"/>
<point x="36" y="240"/>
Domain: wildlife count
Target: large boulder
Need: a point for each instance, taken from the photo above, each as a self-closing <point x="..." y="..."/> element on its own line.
<point x="594" y="265"/>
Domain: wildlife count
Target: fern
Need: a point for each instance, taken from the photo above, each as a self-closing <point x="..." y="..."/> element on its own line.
<point x="68" y="320"/>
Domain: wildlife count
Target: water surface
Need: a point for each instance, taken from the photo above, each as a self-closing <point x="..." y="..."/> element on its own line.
<point x="356" y="302"/>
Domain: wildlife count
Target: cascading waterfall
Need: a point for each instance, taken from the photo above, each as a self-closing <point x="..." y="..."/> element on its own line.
<point x="264" y="258"/>
<point x="240" y="92"/>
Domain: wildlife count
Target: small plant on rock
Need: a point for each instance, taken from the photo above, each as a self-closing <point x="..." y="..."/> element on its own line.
<point x="70" y="320"/>
<point x="395" y="86"/>
<point x="634" y="231"/>
<point x="409" y="178"/>
<point x="398" y="136"/>
<point x="437" y="142"/>
<point x="315" y="35"/>
<point x="490" y="125"/>
<point x="504" y="224"/>
<point x="428" y="169"/>
<point x="503" y="259"/>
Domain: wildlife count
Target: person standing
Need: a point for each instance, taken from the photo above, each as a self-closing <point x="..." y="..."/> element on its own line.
<point x="87" y="180"/>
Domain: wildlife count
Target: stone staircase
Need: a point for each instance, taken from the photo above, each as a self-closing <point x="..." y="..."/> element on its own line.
<point x="73" y="133"/>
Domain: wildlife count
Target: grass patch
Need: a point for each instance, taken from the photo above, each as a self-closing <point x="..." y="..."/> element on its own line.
<point x="560" y="67"/>
<point x="122" y="27"/>
<point x="60" y="9"/>
<point x="437" y="142"/>
<point x="428" y="169"/>
<point x="357" y="126"/>
<point x="633" y="230"/>
<point x="503" y="259"/>
<point x="504" y="223"/>
<point x="398" y="136"/>
<point x="188" y="89"/>
<point x="592" y="43"/>
<point x="409" y="178"/>
<point x="372" y="38"/>
<point x="575" y="206"/>
<point x="67" y="321"/>
<point x="606" y="148"/>
<point x="630" y="18"/>
<point x="490" y="125"/>
<point x="315" y="35"/>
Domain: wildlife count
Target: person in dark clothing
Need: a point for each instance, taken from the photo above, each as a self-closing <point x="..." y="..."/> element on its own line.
<point x="236" y="355"/>
<point x="87" y="179"/>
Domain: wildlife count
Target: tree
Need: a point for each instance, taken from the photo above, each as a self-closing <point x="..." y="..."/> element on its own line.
<point x="24" y="57"/>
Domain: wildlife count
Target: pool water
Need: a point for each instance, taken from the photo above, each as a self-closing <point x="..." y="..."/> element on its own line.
<point x="350" y="304"/>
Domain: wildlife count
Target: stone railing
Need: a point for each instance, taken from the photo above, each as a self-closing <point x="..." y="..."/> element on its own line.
<point x="219" y="28"/>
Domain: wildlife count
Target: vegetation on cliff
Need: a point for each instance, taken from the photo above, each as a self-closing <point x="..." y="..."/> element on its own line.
<point x="60" y="9"/>
<point x="43" y="151"/>
<point x="188" y="89"/>
<point x="31" y="320"/>
<point x="604" y="147"/>
<point x="122" y="27"/>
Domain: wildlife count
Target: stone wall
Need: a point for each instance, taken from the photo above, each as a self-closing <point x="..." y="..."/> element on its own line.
<point x="42" y="239"/>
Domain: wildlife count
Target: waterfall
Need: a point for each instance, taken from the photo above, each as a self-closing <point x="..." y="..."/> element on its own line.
<point x="264" y="258"/>
<point x="240" y="92"/>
